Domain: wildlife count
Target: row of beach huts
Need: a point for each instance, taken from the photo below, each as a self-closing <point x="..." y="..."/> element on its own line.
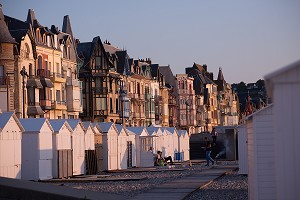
<point x="40" y="149"/>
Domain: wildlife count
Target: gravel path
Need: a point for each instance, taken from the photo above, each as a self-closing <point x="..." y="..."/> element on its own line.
<point x="129" y="189"/>
<point x="231" y="186"/>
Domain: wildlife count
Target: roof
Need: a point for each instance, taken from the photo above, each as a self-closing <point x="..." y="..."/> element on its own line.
<point x="105" y="126"/>
<point x="151" y="130"/>
<point x="110" y="48"/>
<point x="57" y="124"/>
<point x="220" y="75"/>
<point x="86" y="124"/>
<point x="280" y="72"/>
<point x="172" y="130"/>
<point x="138" y="130"/>
<point x="34" y="124"/>
<point x="66" y="28"/>
<point x="167" y="72"/>
<point x="74" y="122"/>
<point x="4" y="118"/>
<point x="5" y="36"/>
<point x="257" y="112"/>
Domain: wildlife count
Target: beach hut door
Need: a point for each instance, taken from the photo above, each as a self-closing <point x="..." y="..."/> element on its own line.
<point x="129" y="151"/>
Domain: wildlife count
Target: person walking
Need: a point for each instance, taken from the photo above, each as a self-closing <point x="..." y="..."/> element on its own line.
<point x="208" y="152"/>
<point x="214" y="135"/>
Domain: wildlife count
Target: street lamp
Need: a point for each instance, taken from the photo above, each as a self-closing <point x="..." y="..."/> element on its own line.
<point x="23" y="74"/>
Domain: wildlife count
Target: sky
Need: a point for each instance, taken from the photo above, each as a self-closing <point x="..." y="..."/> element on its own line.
<point x="247" y="39"/>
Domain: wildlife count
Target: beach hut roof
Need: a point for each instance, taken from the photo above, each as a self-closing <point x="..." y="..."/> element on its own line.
<point x="138" y="130"/>
<point x="34" y="124"/>
<point x="57" y="124"/>
<point x="4" y="117"/>
<point x="74" y="122"/>
<point x="105" y="126"/>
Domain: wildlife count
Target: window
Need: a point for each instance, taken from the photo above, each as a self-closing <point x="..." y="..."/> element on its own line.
<point x="2" y="77"/>
<point x="40" y="62"/>
<point x="57" y="68"/>
<point x="27" y="50"/>
<point x="100" y="103"/>
<point x="58" y="99"/>
<point x="98" y="62"/>
<point x="30" y="70"/>
<point x="111" y="105"/>
<point x="117" y="105"/>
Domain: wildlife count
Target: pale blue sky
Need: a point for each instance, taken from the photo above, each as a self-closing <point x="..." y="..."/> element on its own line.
<point x="248" y="39"/>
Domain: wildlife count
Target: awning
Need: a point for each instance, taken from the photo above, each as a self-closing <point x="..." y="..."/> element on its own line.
<point x="46" y="82"/>
<point x="34" y="110"/>
<point x="35" y="83"/>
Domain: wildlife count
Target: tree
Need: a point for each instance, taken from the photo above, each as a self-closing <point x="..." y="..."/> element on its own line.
<point x="241" y="87"/>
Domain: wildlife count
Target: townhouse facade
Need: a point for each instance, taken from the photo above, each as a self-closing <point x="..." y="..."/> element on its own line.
<point x="45" y="72"/>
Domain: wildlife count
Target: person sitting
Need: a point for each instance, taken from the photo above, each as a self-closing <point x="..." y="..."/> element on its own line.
<point x="162" y="161"/>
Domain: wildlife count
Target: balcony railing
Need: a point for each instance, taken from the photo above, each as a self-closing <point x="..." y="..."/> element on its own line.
<point x="43" y="73"/>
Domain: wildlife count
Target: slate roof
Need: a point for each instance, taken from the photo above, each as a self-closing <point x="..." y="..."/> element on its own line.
<point x="170" y="129"/>
<point x="167" y="72"/>
<point x="110" y="48"/>
<point x="105" y="126"/>
<point x="5" y="36"/>
<point x="33" y="124"/>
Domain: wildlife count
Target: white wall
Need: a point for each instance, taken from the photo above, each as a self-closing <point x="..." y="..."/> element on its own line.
<point x="261" y="182"/>
<point x="122" y="150"/>
<point x="10" y="150"/>
<point x="287" y="137"/>
<point x="78" y="150"/>
<point x="243" y="149"/>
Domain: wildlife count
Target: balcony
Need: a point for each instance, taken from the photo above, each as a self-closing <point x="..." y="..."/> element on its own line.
<point x="45" y="104"/>
<point x="100" y="90"/>
<point x="73" y="82"/>
<point x="74" y="106"/>
<point x="42" y="73"/>
<point x="57" y="78"/>
<point x="58" y="105"/>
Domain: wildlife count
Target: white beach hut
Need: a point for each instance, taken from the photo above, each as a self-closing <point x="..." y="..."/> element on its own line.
<point x="37" y="152"/>
<point x="164" y="142"/>
<point x="122" y="147"/>
<point x="283" y="87"/>
<point x="110" y="145"/>
<point x="184" y="145"/>
<point x="89" y="146"/>
<point x="98" y="146"/>
<point x="62" y="165"/>
<point x="157" y="138"/>
<point x="144" y="157"/>
<point x="78" y="132"/>
<point x="10" y="145"/>
<point x="89" y="136"/>
<point x="131" y="149"/>
<point x="242" y="149"/>
<point x="174" y="145"/>
<point x="180" y="145"/>
<point x="261" y="181"/>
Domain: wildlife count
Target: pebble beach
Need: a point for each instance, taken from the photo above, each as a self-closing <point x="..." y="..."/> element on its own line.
<point x="229" y="186"/>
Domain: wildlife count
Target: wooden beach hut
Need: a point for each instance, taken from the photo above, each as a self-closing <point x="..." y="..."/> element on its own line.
<point x="144" y="157"/>
<point x="78" y="148"/>
<point x="62" y="165"/>
<point x="110" y="145"/>
<point x="283" y="88"/>
<point x="10" y="145"/>
<point x="89" y="146"/>
<point x="98" y="146"/>
<point x="131" y="149"/>
<point x="37" y="149"/>
<point x="173" y="142"/>
<point x="122" y="147"/>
